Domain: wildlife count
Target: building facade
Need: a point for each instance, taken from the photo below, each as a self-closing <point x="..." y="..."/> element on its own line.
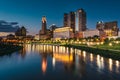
<point x="110" y="28"/>
<point x="90" y="33"/>
<point x="76" y="20"/>
<point x="81" y="20"/>
<point x="37" y="37"/>
<point x="65" y="19"/>
<point x="69" y="20"/>
<point x="44" y="32"/>
<point x="100" y="25"/>
<point x="44" y="25"/>
<point x="21" y="32"/>
<point x="63" y="33"/>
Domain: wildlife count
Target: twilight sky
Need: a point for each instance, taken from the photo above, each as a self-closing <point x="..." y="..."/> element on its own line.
<point x="30" y="12"/>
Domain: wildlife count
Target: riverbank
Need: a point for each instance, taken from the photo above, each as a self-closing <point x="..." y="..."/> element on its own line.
<point x="113" y="47"/>
<point x="6" y="49"/>
<point x="103" y="52"/>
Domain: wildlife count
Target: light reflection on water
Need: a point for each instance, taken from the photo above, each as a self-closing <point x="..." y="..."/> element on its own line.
<point x="74" y="62"/>
<point x="44" y="65"/>
<point x="110" y="64"/>
<point x="64" y="54"/>
<point x="53" y="62"/>
<point x="91" y="57"/>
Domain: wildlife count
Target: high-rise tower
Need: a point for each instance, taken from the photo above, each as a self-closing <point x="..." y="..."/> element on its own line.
<point x="69" y="20"/>
<point x="80" y="20"/>
<point x="45" y="33"/>
<point x="44" y="25"/>
<point x="65" y="19"/>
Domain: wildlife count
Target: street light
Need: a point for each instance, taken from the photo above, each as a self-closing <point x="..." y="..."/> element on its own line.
<point x="110" y="44"/>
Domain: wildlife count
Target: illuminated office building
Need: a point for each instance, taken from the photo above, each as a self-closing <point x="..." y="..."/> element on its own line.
<point x="63" y="33"/>
<point x="69" y="20"/>
<point x="76" y="20"/>
<point x="80" y="20"/>
<point x="110" y="28"/>
<point x="44" y="32"/>
<point x="65" y="19"/>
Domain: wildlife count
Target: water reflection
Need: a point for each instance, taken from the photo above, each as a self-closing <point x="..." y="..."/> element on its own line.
<point x="84" y="54"/>
<point x="44" y="65"/>
<point x="117" y="66"/>
<point x="70" y="61"/>
<point x="70" y="57"/>
<point x="100" y="62"/>
<point x="117" y="63"/>
<point x="53" y="62"/>
<point x="110" y="64"/>
<point x="91" y="57"/>
<point x="23" y="52"/>
<point x="63" y="57"/>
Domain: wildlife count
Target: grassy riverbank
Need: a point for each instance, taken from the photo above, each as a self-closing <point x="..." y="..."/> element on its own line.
<point x="6" y="49"/>
<point x="106" y="50"/>
<point x="113" y="47"/>
<point x="103" y="52"/>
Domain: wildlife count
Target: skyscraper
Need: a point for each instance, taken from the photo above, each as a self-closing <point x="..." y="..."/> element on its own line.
<point x="44" y="32"/>
<point x="76" y="20"/>
<point x="65" y="19"/>
<point x="80" y="20"/>
<point x="44" y="25"/>
<point x="69" y="20"/>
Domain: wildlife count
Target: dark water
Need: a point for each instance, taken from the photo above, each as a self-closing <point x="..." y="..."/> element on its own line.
<point x="45" y="62"/>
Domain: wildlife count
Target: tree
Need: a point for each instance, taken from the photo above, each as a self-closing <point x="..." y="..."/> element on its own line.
<point x="118" y="39"/>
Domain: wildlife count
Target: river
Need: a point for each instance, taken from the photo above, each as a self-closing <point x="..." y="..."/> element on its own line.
<point x="47" y="62"/>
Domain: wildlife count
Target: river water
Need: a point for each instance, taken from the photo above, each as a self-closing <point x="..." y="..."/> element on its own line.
<point x="47" y="62"/>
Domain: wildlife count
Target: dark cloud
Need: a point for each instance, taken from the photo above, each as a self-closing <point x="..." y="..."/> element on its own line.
<point x="14" y="23"/>
<point x="8" y="26"/>
<point x="2" y="22"/>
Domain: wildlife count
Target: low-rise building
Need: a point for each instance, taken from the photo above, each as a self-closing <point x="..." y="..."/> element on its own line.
<point x="37" y="37"/>
<point x="10" y="36"/>
<point x="63" y="33"/>
<point x="79" y="35"/>
<point x="21" y="32"/>
<point x="90" y="33"/>
<point x="114" y="37"/>
<point x="110" y="28"/>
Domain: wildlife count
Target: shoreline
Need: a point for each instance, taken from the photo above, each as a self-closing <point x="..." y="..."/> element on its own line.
<point x="108" y="53"/>
<point x="6" y="49"/>
<point x="102" y="52"/>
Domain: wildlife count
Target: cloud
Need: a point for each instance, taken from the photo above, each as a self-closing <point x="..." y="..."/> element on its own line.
<point x="8" y="26"/>
<point x="13" y="23"/>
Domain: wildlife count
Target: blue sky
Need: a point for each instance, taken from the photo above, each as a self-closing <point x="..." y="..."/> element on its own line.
<point x="30" y="12"/>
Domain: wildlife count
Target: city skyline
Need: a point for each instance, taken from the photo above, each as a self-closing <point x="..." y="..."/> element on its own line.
<point x="29" y="13"/>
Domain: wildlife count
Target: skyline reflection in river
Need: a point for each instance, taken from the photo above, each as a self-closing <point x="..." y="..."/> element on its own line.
<point x="48" y="62"/>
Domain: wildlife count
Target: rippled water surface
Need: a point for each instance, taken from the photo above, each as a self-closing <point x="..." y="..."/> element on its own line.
<point x="47" y="62"/>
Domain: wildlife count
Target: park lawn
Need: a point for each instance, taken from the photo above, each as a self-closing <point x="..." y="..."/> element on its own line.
<point x="107" y="47"/>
